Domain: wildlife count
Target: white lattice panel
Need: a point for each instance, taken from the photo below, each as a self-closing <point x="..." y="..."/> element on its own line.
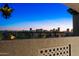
<point x="56" y="51"/>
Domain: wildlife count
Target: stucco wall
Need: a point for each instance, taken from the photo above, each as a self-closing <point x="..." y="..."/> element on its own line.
<point x="29" y="47"/>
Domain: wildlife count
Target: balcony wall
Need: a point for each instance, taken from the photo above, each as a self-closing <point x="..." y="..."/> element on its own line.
<point x="31" y="47"/>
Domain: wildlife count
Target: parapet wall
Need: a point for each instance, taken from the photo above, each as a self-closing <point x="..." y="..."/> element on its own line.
<point x="33" y="47"/>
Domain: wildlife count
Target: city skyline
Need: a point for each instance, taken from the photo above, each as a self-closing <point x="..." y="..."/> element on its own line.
<point x="37" y="16"/>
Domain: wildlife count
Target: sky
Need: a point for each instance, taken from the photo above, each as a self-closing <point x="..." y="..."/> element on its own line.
<point x="37" y="16"/>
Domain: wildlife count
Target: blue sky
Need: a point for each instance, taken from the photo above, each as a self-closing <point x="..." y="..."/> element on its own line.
<point x="37" y="15"/>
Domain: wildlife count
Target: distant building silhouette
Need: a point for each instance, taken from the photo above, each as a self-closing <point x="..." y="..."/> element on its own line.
<point x="30" y="29"/>
<point x="54" y="29"/>
<point x="38" y="33"/>
<point x="67" y="30"/>
<point x="58" y="29"/>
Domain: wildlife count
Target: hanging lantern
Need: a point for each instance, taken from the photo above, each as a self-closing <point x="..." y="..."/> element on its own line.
<point x="6" y="11"/>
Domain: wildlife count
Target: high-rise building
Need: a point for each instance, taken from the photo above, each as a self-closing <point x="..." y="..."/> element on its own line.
<point x="30" y="29"/>
<point x="54" y="29"/>
<point x="58" y="29"/>
<point x="67" y="30"/>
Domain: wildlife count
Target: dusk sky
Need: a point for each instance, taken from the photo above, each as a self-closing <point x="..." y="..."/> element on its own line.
<point x="37" y="15"/>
